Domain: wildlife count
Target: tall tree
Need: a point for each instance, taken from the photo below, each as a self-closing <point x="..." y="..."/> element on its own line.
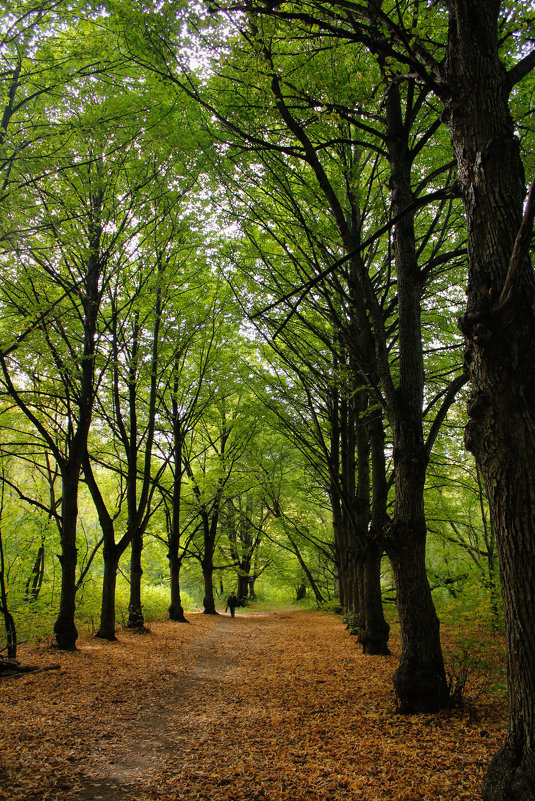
<point x="211" y="466"/>
<point x="403" y="127"/>
<point x="462" y="63"/>
<point x="499" y="329"/>
<point x="69" y="333"/>
<point x="184" y="404"/>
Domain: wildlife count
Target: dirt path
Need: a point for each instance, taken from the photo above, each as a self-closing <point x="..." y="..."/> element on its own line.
<point x="265" y="707"/>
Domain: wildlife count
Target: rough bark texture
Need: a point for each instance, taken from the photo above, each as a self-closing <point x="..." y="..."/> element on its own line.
<point x="374" y="628"/>
<point x="420" y="681"/>
<point x="499" y="331"/>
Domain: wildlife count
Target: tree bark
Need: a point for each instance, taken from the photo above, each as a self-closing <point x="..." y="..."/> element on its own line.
<point x="111" y="554"/>
<point x="107" y="611"/>
<point x="208" y="577"/>
<point x="499" y="329"/>
<point x="176" y="610"/>
<point x="420" y="681"/>
<point x="65" y="629"/>
<point x="373" y="628"/>
<point x="35" y="580"/>
<point x="136" y="619"/>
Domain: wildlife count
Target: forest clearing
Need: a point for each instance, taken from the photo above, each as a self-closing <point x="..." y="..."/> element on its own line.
<point x="266" y="706"/>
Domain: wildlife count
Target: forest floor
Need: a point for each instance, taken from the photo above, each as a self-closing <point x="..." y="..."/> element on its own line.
<point x="267" y="706"/>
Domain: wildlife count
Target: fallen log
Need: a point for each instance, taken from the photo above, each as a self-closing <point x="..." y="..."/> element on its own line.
<point x="11" y="668"/>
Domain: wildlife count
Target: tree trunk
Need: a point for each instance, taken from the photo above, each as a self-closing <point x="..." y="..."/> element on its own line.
<point x="208" y="577"/>
<point x="176" y="610"/>
<point x="373" y="628"/>
<point x="420" y="681"/>
<point x="135" y="609"/>
<point x="376" y="628"/>
<point x="316" y="590"/>
<point x="243" y="585"/>
<point x="65" y="629"/>
<point x="9" y="623"/>
<point x="341" y="554"/>
<point x="111" y="553"/>
<point x="107" y="610"/>
<point x="499" y="329"/>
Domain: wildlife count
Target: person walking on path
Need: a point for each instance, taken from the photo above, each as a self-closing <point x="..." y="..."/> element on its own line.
<point x="232" y="603"/>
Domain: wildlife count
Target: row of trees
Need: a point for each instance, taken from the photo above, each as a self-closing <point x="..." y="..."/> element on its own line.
<point x="125" y="375"/>
<point x="304" y="152"/>
<point x="285" y="92"/>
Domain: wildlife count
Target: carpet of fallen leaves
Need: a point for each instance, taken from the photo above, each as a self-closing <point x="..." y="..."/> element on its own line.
<point x="262" y="707"/>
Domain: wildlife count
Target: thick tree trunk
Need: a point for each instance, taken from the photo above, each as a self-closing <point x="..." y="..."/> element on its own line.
<point x="499" y="329"/>
<point x="420" y="680"/>
<point x="65" y="630"/>
<point x="107" y="610"/>
<point x="243" y="583"/>
<point x="373" y="628"/>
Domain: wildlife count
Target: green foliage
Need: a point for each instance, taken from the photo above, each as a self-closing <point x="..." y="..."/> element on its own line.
<point x="207" y="198"/>
<point x="474" y="665"/>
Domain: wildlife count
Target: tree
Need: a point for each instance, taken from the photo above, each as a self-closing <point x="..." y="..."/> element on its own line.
<point x="184" y="403"/>
<point x="128" y="337"/>
<point x="389" y="362"/>
<point x="59" y="259"/>
<point x="70" y="335"/>
<point x="210" y="466"/>
<point x="462" y="64"/>
<point x="499" y="329"/>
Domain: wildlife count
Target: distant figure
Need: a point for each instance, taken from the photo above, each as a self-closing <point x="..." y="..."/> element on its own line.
<point x="232" y="603"/>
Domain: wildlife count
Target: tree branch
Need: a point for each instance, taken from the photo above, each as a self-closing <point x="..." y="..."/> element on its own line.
<point x="521" y="69"/>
